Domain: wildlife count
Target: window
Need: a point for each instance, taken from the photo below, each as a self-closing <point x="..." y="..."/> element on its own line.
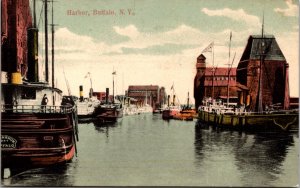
<point x="28" y="93"/>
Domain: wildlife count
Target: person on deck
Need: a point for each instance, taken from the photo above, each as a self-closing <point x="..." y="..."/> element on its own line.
<point x="44" y="103"/>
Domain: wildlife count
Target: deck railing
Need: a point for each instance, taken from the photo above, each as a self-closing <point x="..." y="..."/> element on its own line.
<point x="38" y="109"/>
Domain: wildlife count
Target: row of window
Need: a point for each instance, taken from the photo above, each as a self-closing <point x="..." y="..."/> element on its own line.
<point x="220" y="78"/>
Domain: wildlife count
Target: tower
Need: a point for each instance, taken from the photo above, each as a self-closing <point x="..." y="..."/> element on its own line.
<point x="199" y="89"/>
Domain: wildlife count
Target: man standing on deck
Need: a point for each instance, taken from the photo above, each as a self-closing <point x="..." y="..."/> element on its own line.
<point x="44" y="103"/>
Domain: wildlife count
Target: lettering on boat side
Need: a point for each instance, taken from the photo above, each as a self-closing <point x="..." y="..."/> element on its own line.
<point x="8" y="142"/>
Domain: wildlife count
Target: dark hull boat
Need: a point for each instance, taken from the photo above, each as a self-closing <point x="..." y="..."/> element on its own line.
<point x="38" y="126"/>
<point x="252" y="122"/>
<point x="109" y="113"/>
<point x="34" y="134"/>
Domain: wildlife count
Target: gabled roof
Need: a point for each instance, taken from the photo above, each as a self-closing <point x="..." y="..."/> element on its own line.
<point x="201" y="56"/>
<point x="258" y="45"/>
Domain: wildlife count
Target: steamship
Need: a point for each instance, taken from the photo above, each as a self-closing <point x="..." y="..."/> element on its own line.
<point x="110" y="111"/>
<point x="33" y="132"/>
<point x="86" y="106"/>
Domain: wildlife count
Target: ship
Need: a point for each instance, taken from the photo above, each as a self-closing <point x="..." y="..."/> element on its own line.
<point x="171" y="110"/>
<point x="110" y="111"/>
<point x="38" y="124"/>
<point x="263" y="93"/>
<point x="86" y="106"/>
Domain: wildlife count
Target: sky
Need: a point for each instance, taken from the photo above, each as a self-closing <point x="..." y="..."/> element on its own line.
<point x="157" y="41"/>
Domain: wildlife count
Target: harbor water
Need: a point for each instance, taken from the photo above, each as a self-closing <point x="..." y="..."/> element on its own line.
<point x="144" y="150"/>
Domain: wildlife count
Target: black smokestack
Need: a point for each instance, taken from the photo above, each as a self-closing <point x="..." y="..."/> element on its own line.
<point x="106" y="95"/>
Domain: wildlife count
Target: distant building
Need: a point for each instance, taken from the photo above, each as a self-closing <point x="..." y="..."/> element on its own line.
<point x="100" y="95"/>
<point x="274" y="72"/>
<point x="213" y="82"/>
<point x="147" y="94"/>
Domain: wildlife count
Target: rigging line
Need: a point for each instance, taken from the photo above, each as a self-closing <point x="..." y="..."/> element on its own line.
<point x="41" y="14"/>
<point x="265" y="68"/>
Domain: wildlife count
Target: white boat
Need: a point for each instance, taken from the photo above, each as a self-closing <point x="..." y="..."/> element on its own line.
<point x="87" y="107"/>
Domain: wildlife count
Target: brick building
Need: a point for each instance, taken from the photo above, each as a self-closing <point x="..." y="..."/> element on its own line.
<point x="263" y="58"/>
<point x="150" y="94"/>
<point x="264" y="51"/>
<point x="15" y="20"/>
<point x="213" y="82"/>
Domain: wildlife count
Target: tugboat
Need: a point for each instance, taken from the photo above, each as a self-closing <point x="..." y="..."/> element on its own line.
<point x="37" y="127"/>
<point x="187" y="113"/>
<point x="171" y="110"/>
<point x="111" y="111"/>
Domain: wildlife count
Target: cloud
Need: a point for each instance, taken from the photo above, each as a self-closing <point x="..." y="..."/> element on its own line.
<point x="292" y="9"/>
<point x="182" y="35"/>
<point x="130" y="31"/>
<point x="236" y="15"/>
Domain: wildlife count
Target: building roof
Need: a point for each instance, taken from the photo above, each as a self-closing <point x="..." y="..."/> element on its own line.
<point x="201" y="56"/>
<point x="143" y="88"/>
<point x="267" y="46"/>
<point x="220" y="71"/>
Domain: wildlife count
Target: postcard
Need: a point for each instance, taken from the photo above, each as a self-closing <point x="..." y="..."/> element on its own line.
<point x="150" y="93"/>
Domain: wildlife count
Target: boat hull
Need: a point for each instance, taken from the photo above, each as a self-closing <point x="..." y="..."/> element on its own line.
<point x="251" y="122"/>
<point x="108" y="114"/>
<point x="36" y="139"/>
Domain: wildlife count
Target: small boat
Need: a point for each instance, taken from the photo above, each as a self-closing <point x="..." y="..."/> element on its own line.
<point x="145" y="108"/>
<point x="111" y="111"/>
<point x="38" y="124"/>
<point x="184" y="115"/>
<point x="187" y="113"/>
<point x="86" y="106"/>
<point x="171" y="110"/>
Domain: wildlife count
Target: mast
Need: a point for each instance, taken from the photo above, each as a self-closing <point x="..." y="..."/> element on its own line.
<point x="259" y="97"/>
<point x="188" y="99"/>
<point x="34" y="15"/>
<point x="213" y="72"/>
<point x="228" y="69"/>
<point x="52" y="52"/>
<point x="46" y="40"/>
<point x="114" y="73"/>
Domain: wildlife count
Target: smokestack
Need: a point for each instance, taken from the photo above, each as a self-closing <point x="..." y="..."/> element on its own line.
<point x="106" y="95"/>
<point x="81" y="93"/>
<point x="168" y="100"/>
<point x="174" y="100"/>
<point x="32" y="44"/>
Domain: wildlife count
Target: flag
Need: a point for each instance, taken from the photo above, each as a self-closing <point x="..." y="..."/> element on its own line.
<point x="208" y="48"/>
<point x="114" y="73"/>
<point x="87" y="75"/>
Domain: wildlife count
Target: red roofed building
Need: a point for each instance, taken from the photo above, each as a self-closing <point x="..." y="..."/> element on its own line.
<point x="150" y="94"/>
<point x="217" y="83"/>
<point x="213" y="82"/>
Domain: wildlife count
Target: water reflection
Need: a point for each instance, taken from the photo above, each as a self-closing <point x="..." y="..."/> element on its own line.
<point x="254" y="159"/>
<point x="262" y="155"/>
<point x="56" y="175"/>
